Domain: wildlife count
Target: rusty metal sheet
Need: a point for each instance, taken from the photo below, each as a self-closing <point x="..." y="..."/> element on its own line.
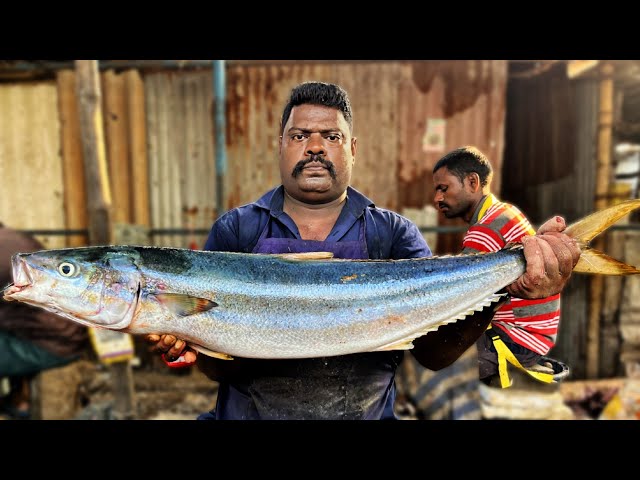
<point x="180" y="152"/>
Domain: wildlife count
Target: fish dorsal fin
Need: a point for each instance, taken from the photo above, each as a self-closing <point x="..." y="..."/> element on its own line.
<point x="301" y="257"/>
<point x="210" y="353"/>
<point x="407" y="343"/>
<point x="185" y="305"/>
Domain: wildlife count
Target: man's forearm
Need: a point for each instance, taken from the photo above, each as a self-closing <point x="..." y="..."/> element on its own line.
<point x="444" y="346"/>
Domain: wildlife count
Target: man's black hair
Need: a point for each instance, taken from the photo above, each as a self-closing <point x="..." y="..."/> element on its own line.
<point x="319" y="93"/>
<point x="465" y="160"/>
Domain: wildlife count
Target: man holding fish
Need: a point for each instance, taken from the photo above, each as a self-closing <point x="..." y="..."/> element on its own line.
<point x="316" y="210"/>
<point x="526" y="328"/>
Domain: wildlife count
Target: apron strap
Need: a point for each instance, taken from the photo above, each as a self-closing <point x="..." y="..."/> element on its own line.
<point x="505" y="355"/>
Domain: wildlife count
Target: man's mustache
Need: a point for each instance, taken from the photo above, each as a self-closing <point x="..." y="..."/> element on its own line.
<point x="297" y="170"/>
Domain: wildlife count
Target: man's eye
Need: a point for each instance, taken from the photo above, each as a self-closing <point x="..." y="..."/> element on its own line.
<point x="333" y="138"/>
<point x="298" y="136"/>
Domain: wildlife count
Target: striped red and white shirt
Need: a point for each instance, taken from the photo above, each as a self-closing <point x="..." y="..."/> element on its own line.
<point x="530" y="323"/>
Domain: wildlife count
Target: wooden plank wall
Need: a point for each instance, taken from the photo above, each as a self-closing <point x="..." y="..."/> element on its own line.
<point x="125" y="138"/>
<point x="31" y="167"/>
<point x="73" y="165"/>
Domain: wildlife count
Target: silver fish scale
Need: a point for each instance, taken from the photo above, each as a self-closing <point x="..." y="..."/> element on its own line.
<point x="340" y="307"/>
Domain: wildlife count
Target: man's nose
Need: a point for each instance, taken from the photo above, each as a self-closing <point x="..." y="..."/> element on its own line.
<point x="315" y="144"/>
<point x="438" y="197"/>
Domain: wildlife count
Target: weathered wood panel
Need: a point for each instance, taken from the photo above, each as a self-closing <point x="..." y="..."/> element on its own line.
<point x="75" y="192"/>
<point x="31" y="177"/>
<point x="137" y="148"/>
<point x="116" y="125"/>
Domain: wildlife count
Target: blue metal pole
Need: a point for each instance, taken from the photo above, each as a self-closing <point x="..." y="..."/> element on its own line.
<point x="219" y="88"/>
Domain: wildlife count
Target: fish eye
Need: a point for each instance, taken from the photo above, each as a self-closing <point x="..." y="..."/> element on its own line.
<point x="66" y="269"/>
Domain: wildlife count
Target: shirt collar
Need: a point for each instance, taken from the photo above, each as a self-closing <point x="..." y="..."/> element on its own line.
<point x="482" y="208"/>
<point x="273" y="201"/>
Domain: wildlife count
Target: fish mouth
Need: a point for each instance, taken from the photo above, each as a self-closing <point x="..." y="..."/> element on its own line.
<point x="10" y="290"/>
<point x="22" y="278"/>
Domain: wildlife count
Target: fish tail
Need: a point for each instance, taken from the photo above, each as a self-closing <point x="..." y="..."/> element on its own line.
<point x="586" y="229"/>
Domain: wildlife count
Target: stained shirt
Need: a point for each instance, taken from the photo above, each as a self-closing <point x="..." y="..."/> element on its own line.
<point x="530" y="323"/>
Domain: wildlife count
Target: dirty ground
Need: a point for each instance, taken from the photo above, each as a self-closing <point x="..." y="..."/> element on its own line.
<point x="84" y="391"/>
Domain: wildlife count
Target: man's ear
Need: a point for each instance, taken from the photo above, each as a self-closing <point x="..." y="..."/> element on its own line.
<point x="474" y="181"/>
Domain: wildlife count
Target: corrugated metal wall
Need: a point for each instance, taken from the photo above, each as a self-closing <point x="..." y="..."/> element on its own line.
<point x="469" y="97"/>
<point x="256" y="97"/>
<point x="406" y="115"/>
<point x="575" y="196"/>
<point x="398" y="108"/>
<point x="549" y="169"/>
<point x="541" y="146"/>
<point x="181" y="154"/>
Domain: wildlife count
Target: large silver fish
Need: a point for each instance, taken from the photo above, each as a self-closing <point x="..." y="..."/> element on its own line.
<point x="279" y="306"/>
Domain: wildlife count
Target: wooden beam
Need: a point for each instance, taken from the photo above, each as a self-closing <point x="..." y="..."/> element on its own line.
<point x="575" y="68"/>
<point x="99" y="206"/>
<point x="73" y="163"/>
<point x="603" y="180"/>
<point x="95" y="159"/>
<point x="138" y="148"/>
<point x="116" y="128"/>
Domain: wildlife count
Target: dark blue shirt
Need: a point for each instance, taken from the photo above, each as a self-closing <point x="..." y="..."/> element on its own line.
<point x="389" y="235"/>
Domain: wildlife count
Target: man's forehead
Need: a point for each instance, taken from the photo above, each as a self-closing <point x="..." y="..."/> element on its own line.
<point x="308" y="114"/>
<point x="444" y="175"/>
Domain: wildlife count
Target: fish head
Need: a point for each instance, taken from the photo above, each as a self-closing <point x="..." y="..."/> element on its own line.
<point x="94" y="286"/>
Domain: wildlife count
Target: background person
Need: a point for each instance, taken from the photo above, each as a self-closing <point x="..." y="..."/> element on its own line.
<point x="31" y="339"/>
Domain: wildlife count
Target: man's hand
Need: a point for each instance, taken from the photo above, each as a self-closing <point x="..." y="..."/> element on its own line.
<point x="172" y="347"/>
<point x="550" y="256"/>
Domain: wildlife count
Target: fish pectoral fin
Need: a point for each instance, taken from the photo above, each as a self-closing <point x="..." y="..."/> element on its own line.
<point x="210" y="353"/>
<point x="185" y="305"/>
<point x="300" y="257"/>
<point x="400" y="345"/>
